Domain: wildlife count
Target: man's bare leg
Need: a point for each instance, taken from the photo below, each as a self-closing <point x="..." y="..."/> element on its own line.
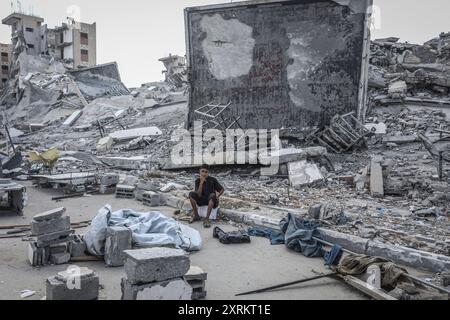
<point x="195" y="217"/>
<point x="207" y="223"/>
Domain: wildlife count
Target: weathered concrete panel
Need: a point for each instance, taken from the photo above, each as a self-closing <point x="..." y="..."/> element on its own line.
<point x="281" y="64"/>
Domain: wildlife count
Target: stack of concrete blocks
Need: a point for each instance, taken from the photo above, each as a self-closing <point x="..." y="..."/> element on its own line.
<point x="108" y="183"/>
<point x="125" y="191"/>
<point x="73" y="284"/>
<point x="153" y="199"/>
<point x="196" y="278"/>
<point x="144" y="186"/>
<point x="156" y="274"/>
<point x="53" y="237"/>
<point x="118" y="240"/>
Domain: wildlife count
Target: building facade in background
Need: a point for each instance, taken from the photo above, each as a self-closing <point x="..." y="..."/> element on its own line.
<point x="5" y="63"/>
<point x="74" y="42"/>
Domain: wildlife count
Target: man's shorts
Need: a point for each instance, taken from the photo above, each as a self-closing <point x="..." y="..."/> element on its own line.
<point x="204" y="201"/>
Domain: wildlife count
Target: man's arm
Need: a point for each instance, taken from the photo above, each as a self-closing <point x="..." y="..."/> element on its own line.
<point x="199" y="186"/>
<point x="218" y="188"/>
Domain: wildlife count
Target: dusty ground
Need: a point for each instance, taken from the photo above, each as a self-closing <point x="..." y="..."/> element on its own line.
<point x="231" y="269"/>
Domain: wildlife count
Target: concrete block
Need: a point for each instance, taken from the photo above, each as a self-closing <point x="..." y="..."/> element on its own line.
<point x="303" y="173"/>
<point x="195" y="273"/>
<point x="60" y="258"/>
<point x="109" y="180"/>
<point x="118" y="239"/>
<point x="49" y="215"/>
<point x="77" y="247"/>
<point x="172" y="289"/>
<point x="75" y="288"/>
<point x="198" y="295"/>
<point x="197" y="284"/>
<point x="107" y="189"/>
<point x="50" y="226"/>
<point x="59" y="248"/>
<point x="152" y="199"/>
<point x="144" y="186"/>
<point x="155" y="264"/>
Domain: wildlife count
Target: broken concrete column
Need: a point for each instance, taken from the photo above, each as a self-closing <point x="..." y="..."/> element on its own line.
<point x="376" y="179"/>
<point x="74" y="284"/>
<point x="155" y="264"/>
<point x="118" y="239"/>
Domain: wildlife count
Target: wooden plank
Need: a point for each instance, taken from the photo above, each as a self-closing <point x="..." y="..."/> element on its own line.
<point x="366" y="289"/>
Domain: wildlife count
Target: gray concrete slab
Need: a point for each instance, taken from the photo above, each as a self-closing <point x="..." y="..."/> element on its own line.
<point x="231" y="268"/>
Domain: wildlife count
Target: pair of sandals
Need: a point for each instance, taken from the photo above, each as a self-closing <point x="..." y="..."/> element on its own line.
<point x="206" y="222"/>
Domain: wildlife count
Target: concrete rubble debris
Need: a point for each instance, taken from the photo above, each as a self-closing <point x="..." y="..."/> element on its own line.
<point x="104" y="144"/>
<point x="53" y="236"/>
<point x="118" y="239"/>
<point x="156" y="274"/>
<point x="63" y="286"/>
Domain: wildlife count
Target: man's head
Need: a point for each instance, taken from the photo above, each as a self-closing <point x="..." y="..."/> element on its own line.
<point x="204" y="171"/>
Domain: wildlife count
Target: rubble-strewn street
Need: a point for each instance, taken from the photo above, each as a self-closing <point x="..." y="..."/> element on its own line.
<point x="89" y="179"/>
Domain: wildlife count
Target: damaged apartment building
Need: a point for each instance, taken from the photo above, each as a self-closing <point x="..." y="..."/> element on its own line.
<point x="73" y="42"/>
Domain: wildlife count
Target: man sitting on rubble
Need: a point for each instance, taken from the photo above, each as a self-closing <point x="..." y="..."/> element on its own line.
<point x="207" y="193"/>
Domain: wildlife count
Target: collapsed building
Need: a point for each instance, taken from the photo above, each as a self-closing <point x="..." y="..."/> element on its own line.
<point x="363" y="148"/>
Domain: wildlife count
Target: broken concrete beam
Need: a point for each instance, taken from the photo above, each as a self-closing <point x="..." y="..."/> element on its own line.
<point x="195" y="273"/>
<point x="400" y="139"/>
<point x="118" y="239"/>
<point x="292" y="154"/>
<point x="49" y="215"/>
<point x="50" y="226"/>
<point x="173" y="289"/>
<point x="78" y="284"/>
<point x="124" y="191"/>
<point x="72" y="119"/>
<point x="302" y="173"/>
<point x="77" y="247"/>
<point x="104" y="144"/>
<point x="137" y="162"/>
<point x="109" y="180"/>
<point x="135" y="133"/>
<point x="376" y="179"/>
<point x="155" y="264"/>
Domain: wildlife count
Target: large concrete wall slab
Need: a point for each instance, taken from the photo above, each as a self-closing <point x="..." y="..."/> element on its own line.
<point x="281" y="64"/>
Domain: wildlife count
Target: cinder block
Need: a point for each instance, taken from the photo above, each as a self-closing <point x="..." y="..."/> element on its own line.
<point x="125" y="191"/>
<point x="50" y="226"/>
<point x="109" y="180"/>
<point x="83" y="286"/>
<point x="173" y="289"/>
<point x="77" y="247"/>
<point x="49" y="215"/>
<point x="155" y="264"/>
<point x="118" y="239"/>
<point x="38" y="256"/>
<point x="60" y="258"/>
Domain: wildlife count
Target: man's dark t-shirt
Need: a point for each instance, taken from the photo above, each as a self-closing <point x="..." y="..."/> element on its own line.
<point x="211" y="185"/>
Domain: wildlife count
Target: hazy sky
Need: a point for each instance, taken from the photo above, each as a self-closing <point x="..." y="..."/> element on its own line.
<point x="136" y="33"/>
